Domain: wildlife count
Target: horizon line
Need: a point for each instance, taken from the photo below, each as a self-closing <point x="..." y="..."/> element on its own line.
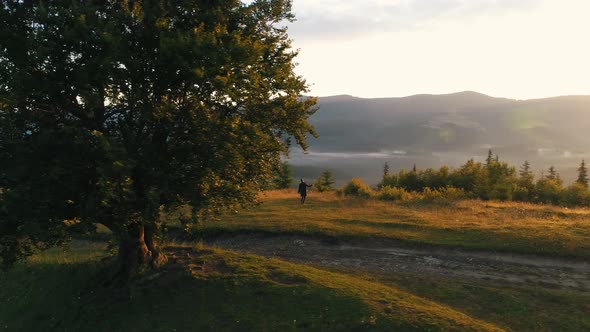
<point x="450" y="93"/>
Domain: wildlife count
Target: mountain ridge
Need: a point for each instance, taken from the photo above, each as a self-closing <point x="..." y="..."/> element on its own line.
<point x="432" y="130"/>
<point x="458" y="93"/>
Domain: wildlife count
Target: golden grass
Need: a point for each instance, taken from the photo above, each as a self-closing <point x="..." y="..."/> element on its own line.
<point x="506" y="226"/>
<point x="276" y="195"/>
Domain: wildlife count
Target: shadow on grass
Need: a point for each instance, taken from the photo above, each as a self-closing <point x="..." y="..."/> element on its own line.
<point x="519" y="308"/>
<point x="38" y="297"/>
<point x="54" y="296"/>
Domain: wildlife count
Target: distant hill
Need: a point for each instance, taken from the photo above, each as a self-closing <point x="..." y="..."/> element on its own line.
<point x="358" y="135"/>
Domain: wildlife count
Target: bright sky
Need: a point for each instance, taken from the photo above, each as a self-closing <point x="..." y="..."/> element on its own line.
<point x="386" y="48"/>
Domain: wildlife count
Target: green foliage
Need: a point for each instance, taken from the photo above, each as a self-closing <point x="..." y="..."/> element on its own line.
<point x="411" y="180"/>
<point x="440" y="178"/>
<point x="576" y="195"/>
<point x="388" y="193"/>
<point x="548" y="191"/>
<point x="325" y="182"/>
<point x="499" y="181"/>
<point x="430" y="195"/>
<point x="502" y="191"/>
<point x="283" y="176"/>
<point x="494" y="180"/>
<point x="391" y="180"/>
<point x="356" y="188"/>
<point x="469" y="176"/>
<point x="443" y="195"/>
<point x="110" y="111"/>
<point x="522" y="194"/>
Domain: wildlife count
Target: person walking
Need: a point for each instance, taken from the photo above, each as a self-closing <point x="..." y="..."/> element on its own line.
<point x="303" y="190"/>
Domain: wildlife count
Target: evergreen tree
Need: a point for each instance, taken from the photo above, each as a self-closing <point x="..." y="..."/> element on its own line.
<point x="325" y="182"/>
<point x="525" y="170"/>
<point x="112" y="110"/>
<point x="526" y="179"/>
<point x="490" y="158"/>
<point x="284" y="176"/>
<point x="525" y="182"/>
<point x="552" y="173"/>
<point x="385" y="170"/>
<point x="583" y="174"/>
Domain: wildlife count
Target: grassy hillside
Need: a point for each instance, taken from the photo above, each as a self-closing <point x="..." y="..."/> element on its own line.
<point x="478" y="225"/>
<point x="213" y="290"/>
<point x="216" y="290"/>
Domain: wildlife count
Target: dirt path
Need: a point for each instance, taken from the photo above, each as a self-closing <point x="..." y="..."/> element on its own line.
<point x="386" y="257"/>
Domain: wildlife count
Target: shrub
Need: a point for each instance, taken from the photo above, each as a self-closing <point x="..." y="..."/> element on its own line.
<point x="395" y="194"/>
<point x="453" y="193"/>
<point x="502" y="191"/>
<point x="521" y="194"/>
<point x="443" y="195"/>
<point x="548" y="191"/>
<point x="576" y="195"/>
<point x="356" y="188"/>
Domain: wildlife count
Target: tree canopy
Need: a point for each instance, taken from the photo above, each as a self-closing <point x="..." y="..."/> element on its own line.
<point x="111" y="111"/>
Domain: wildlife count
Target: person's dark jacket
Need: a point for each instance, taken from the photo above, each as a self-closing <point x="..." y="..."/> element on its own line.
<point x="303" y="188"/>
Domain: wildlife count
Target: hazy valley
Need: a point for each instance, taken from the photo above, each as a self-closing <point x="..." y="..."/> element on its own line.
<point x="357" y="135"/>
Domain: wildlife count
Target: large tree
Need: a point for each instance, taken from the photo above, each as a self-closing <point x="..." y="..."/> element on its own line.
<point x="111" y="111"/>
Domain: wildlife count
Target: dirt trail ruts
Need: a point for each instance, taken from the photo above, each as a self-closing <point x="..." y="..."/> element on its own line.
<point x="387" y="257"/>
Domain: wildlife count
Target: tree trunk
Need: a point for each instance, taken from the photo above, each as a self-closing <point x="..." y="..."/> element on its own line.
<point x="157" y="256"/>
<point x="139" y="250"/>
